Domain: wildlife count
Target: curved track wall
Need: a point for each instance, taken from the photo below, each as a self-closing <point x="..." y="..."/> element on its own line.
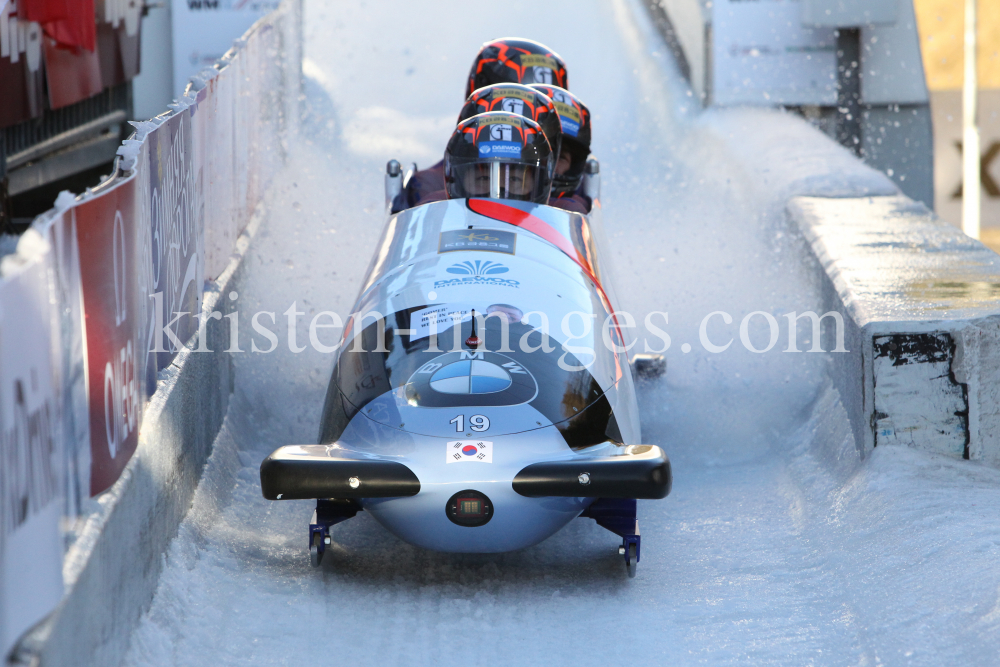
<point x="103" y="444"/>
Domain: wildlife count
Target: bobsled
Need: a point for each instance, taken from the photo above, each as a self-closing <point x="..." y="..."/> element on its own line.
<point x="482" y="396"/>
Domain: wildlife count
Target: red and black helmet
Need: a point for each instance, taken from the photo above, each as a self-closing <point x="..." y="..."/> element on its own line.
<point x="515" y="60"/>
<point x="519" y="99"/>
<point x="575" y="118"/>
<point x="499" y="155"/>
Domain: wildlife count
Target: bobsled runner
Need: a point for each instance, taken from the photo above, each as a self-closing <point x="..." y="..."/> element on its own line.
<point x="482" y="396"/>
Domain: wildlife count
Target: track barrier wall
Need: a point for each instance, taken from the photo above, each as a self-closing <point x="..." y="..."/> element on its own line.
<point x="922" y="305"/>
<point x="102" y="444"/>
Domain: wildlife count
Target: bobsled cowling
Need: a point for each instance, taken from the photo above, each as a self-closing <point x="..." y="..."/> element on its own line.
<point x="537" y="425"/>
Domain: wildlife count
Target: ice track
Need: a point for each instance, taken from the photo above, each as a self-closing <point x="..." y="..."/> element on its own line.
<point x="778" y="544"/>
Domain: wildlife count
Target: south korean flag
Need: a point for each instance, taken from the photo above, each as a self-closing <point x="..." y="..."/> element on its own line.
<point x="469" y="451"/>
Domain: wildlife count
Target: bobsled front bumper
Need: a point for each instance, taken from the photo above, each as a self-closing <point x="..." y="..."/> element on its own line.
<point x="530" y="500"/>
<point x="301" y="472"/>
<point x="642" y="471"/>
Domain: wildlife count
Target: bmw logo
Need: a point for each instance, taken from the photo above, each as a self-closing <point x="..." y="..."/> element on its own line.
<point x="471" y="377"/>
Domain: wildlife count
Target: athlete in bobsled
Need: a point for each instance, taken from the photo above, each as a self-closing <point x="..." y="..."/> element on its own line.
<point x="454" y="416"/>
<point x="492" y="85"/>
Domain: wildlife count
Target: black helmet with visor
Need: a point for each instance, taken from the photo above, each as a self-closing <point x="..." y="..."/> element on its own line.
<point x="519" y="99"/>
<point x="516" y="60"/>
<point x="499" y="155"/>
<point x="575" y="118"/>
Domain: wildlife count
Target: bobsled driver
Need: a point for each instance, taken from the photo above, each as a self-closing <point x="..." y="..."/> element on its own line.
<point x="499" y="155"/>
<point x="428" y="185"/>
<point x="572" y="125"/>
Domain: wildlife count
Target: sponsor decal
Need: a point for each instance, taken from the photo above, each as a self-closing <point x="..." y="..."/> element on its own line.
<point x="568" y="113"/>
<point x="477" y="268"/>
<point x="488" y="240"/>
<point x="537" y="60"/>
<point x="512" y="92"/>
<point x="471" y="378"/>
<point x="511" y="105"/>
<point x="560" y="96"/>
<point x="570" y="127"/>
<point x="543" y="75"/>
<point x="469" y="451"/>
<point x="438" y="318"/>
<point x="510" y="149"/>
<point x="501" y="133"/>
<point x="514" y="121"/>
<point x="477" y="272"/>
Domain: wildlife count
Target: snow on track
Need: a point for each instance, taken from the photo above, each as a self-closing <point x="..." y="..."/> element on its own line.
<point x="778" y="544"/>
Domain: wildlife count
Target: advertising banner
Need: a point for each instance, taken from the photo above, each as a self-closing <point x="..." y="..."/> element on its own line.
<point x="112" y="281"/>
<point x="69" y="341"/>
<point x="203" y="30"/>
<point x="175" y="214"/>
<point x="89" y="303"/>
<point x="30" y="455"/>
<point x="212" y="128"/>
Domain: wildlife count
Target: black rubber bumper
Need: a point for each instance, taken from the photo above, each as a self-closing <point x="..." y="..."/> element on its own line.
<point x="300" y="472"/>
<point x="643" y="472"/>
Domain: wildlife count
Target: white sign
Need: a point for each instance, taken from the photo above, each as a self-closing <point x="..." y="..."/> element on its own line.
<point x="203" y="30"/>
<point x="31" y="456"/>
<point x="762" y="55"/>
<point x="438" y="318"/>
<point x="469" y="451"/>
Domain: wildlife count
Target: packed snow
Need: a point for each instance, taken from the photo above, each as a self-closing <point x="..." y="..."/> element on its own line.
<point x="779" y="544"/>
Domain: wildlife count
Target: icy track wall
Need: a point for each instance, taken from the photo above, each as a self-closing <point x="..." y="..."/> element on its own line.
<point x="102" y="444"/>
<point x="921" y="301"/>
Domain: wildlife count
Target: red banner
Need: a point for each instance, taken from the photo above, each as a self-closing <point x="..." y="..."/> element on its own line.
<point x="109" y="273"/>
<point x="73" y="74"/>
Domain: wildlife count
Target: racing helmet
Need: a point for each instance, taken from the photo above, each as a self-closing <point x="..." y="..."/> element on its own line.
<point x="519" y="99"/>
<point x="575" y="118"/>
<point x="499" y="155"/>
<point x="516" y="60"/>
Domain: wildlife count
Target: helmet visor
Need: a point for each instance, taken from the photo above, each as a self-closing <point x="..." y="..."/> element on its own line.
<point x="498" y="180"/>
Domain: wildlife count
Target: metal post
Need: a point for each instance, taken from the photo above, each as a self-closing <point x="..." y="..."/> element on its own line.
<point x="849" y="89"/>
<point x="970" y="130"/>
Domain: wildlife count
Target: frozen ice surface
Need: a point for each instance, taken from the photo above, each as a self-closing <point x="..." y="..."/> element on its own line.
<point x="778" y="544"/>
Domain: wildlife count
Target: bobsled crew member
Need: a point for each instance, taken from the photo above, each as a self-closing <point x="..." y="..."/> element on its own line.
<point x="499" y="155"/>
<point x="507" y="60"/>
<point x="515" y="60"/>
<point x="568" y="133"/>
<point x="574" y="117"/>
<point x="509" y="97"/>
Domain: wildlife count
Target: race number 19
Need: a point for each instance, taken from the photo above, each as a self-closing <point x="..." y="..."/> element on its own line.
<point x="478" y="423"/>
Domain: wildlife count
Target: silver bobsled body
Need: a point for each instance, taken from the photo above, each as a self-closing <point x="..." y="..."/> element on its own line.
<point x="482" y="397"/>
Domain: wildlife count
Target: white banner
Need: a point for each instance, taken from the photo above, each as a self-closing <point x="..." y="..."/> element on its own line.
<point x="203" y="30"/>
<point x="30" y="450"/>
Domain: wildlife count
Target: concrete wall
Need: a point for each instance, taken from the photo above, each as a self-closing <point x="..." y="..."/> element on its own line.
<point x="923" y="305"/>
